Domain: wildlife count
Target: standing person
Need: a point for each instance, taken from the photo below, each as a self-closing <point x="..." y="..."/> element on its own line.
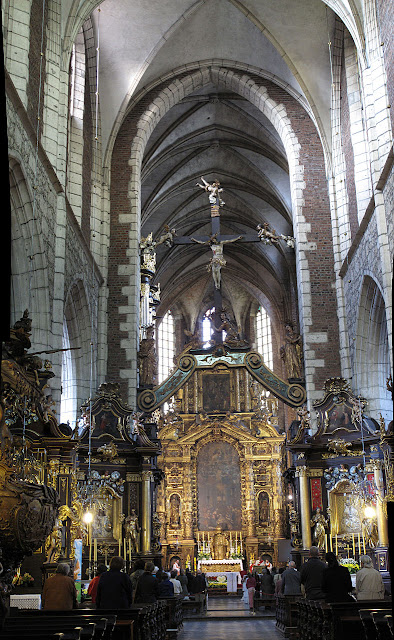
<point x="138" y="570"/>
<point x="278" y="582"/>
<point x="312" y="575"/>
<point x="93" y="586"/>
<point x="166" y="588"/>
<point x="148" y="586"/>
<point x="369" y="583"/>
<point x="114" y="588"/>
<point x="291" y="581"/>
<point x="59" y="590"/>
<point x="336" y="583"/>
<point x="176" y="583"/>
<point x="251" y="588"/>
<point x="266" y="585"/>
<point x="183" y="580"/>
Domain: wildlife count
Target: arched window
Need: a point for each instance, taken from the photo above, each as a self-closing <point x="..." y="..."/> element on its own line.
<point x="264" y="337"/>
<point x="68" y="401"/>
<point x="372" y="350"/>
<point x="166" y="346"/>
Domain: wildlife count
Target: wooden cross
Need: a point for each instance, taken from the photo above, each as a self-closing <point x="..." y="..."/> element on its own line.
<point x="216" y="242"/>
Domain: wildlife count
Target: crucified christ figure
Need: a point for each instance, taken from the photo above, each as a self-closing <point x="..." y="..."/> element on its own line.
<point x="217" y="261"/>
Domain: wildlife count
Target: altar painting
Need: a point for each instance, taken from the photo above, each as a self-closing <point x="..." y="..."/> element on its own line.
<point x="219" y="487"/>
<point x="216" y="392"/>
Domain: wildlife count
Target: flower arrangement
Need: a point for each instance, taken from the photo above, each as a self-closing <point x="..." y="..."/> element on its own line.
<point x="204" y="556"/>
<point x="25" y="581"/>
<point x="350" y="564"/>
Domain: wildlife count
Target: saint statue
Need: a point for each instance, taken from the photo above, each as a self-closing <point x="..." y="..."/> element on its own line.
<point x="175" y="503"/>
<point x="320" y="523"/>
<point x="264" y="508"/>
<point x="220" y="544"/>
<point x="214" y="190"/>
<point x="148" y="253"/>
<point x="232" y="338"/>
<point x="167" y="237"/>
<point x="217" y="261"/>
<point x="370" y="532"/>
<point x="147" y="359"/>
<point x="53" y="542"/>
<point x="132" y="531"/>
<point x="291" y="353"/>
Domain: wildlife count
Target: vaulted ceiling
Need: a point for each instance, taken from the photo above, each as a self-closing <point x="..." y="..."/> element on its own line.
<point x="214" y="133"/>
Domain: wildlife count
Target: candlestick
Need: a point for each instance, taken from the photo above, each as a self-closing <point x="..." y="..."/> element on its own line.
<point x="354" y="547"/>
<point x="325" y="542"/>
<point x="124" y="549"/>
<point x="336" y="544"/>
<point x="230" y="541"/>
<point x="130" y="550"/>
<point x="195" y="565"/>
<point x="359" y="545"/>
<point x="330" y="542"/>
<point x="95" y="550"/>
<point x="235" y="539"/>
<point x="90" y="544"/>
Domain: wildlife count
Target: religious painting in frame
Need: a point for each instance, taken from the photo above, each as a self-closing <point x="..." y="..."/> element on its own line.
<point x="216" y="392"/>
<point x="219" y="487"/>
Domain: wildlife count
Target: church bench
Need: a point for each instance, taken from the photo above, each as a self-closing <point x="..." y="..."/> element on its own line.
<point x="376" y="623"/>
<point x="263" y="600"/>
<point x="174" y="615"/>
<point x="148" y="619"/>
<point x="287" y="608"/>
<point x="73" y="630"/>
<point x="196" y="603"/>
<point x="103" y="629"/>
<point x="336" y="620"/>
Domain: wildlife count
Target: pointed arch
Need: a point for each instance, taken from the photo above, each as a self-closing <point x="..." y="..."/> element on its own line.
<point x="372" y="355"/>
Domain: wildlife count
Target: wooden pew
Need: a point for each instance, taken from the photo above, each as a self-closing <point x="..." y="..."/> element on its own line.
<point x="287" y="610"/>
<point x="336" y="620"/>
<point x="174" y="616"/>
<point x="62" y="621"/>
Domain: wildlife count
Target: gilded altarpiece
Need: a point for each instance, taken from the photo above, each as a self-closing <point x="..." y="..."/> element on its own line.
<point x="222" y="469"/>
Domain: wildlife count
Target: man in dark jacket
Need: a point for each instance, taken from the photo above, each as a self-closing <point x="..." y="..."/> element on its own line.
<point x="312" y="575"/>
<point x="291" y="581"/>
<point x="148" y="586"/>
<point x="114" y="588"/>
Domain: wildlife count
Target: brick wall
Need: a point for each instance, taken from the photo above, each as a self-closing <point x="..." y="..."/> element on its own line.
<point x="348" y="151"/>
<point x="35" y="60"/>
<point x="316" y="211"/>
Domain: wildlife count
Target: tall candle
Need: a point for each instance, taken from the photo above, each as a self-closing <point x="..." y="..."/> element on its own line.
<point x="130" y="550"/>
<point x="354" y="547"/>
<point x="95" y="550"/>
<point x="325" y="542"/>
<point x="330" y="542"/>
<point x="198" y="536"/>
<point x="359" y="545"/>
<point x="235" y="539"/>
<point x="124" y="549"/>
<point x="364" y="544"/>
<point x="195" y="565"/>
<point x="230" y="541"/>
<point x="336" y="544"/>
<point x="120" y="547"/>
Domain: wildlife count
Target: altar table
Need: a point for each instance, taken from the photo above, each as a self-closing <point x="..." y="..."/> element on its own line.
<point x="233" y="579"/>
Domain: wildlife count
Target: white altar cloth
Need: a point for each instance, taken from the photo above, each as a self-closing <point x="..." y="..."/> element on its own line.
<point x="233" y="579"/>
<point x="227" y="561"/>
<point x="28" y="601"/>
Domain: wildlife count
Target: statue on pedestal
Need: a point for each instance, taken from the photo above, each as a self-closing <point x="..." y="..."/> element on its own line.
<point x="147" y="359"/>
<point x="132" y="531"/>
<point x="320" y="523"/>
<point x="291" y="353"/>
<point x="220" y="544"/>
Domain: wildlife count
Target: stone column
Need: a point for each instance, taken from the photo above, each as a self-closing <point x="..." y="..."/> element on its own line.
<point x="381" y="518"/>
<point x="302" y="474"/>
<point x="146" y="513"/>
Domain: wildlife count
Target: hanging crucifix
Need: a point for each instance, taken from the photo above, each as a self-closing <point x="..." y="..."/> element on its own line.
<point x="216" y="242"/>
